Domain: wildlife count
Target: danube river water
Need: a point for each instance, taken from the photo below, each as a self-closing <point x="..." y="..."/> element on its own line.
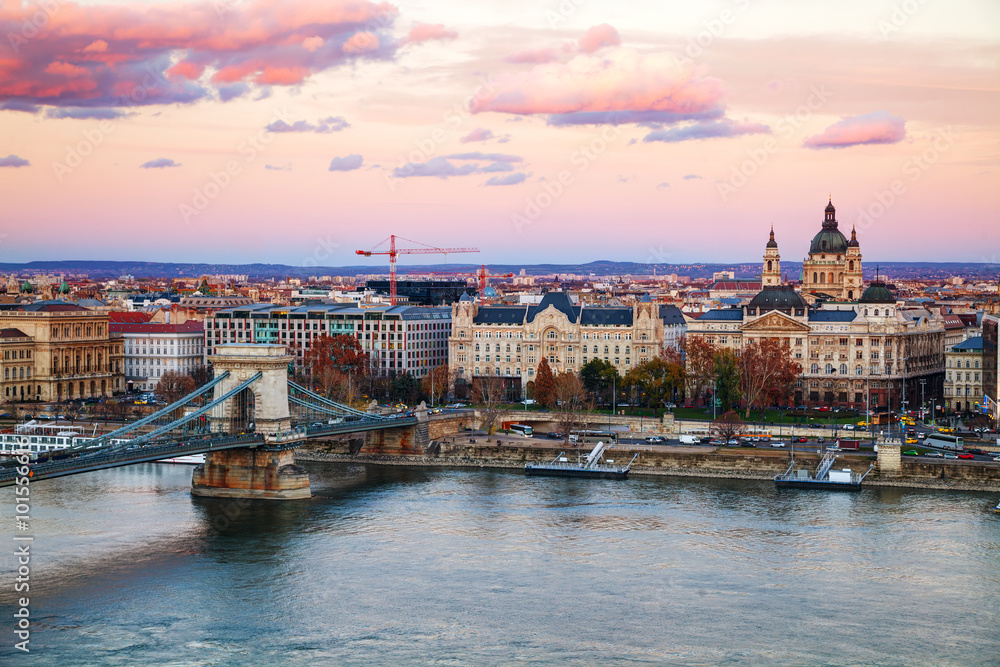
<point x="398" y="566"/>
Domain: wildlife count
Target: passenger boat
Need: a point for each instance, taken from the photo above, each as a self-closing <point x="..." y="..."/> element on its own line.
<point x="591" y="466"/>
<point x="46" y="440"/>
<point x="824" y="478"/>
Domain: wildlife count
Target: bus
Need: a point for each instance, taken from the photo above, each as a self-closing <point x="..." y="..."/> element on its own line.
<point x="943" y="441"/>
<point x="593" y="437"/>
<point x="523" y="429"/>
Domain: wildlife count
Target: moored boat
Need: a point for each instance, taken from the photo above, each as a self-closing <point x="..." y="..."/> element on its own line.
<point x="592" y="466"/>
<point x="824" y="478"/>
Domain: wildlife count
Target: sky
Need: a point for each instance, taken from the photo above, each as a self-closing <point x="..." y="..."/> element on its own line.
<point x="556" y="131"/>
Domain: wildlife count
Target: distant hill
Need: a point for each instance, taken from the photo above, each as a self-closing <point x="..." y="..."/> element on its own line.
<point x="112" y="269"/>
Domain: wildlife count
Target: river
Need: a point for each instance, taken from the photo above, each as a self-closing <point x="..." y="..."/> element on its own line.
<point x="398" y="566"/>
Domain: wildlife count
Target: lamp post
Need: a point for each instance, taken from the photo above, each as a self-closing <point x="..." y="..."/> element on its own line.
<point x="923" y="403"/>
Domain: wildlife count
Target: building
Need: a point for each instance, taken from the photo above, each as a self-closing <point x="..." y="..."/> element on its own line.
<point x="398" y="339"/>
<point x="833" y="267"/>
<point x="424" y="292"/>
<point x="510" y="341"/>
<point x="152" y="349"/>
<point x="991" y="369"/>
<point x="17" y="365"/>
<point x="963" y="383"/>
<point x="73" y="353"/>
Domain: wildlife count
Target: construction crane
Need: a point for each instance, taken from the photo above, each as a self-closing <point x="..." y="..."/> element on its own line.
<point x="394" y="252"/>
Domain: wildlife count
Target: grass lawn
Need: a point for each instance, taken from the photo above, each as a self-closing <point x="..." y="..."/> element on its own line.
<point x="775" y="416"/>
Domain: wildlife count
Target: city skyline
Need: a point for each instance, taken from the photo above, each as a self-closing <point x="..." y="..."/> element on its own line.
<point x="564" y="132"/>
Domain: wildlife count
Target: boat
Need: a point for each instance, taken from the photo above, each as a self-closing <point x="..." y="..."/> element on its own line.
<point x="824" y="478"/>
<point x="997" y="508"/>
<point x="591" y="466"/>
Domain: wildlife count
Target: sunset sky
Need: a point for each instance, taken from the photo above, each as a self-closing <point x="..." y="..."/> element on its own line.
<point x="299" y="131"/>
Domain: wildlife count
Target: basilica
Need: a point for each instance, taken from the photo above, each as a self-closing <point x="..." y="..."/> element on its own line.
<point x="856" y="345"/>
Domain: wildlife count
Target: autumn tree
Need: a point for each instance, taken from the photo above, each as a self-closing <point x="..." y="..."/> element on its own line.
<point x="726" y="372"/>
<point x="699" y="363"/>
<point x="656" y="380"/>
<point x="488" y="394"/>
<point x="435" y="383"/>
<point x="545" y="384"/>
<point x="766" y="367"/>
<point x="570" y="403"/>
<point x="727" y="426"/>
<point x="336" y="365"/>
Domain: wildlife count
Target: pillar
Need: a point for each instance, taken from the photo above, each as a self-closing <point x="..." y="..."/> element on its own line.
<point x="889" y="459"/>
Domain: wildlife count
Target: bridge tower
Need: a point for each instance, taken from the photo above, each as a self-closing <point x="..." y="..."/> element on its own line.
<point x="267" y="473"/>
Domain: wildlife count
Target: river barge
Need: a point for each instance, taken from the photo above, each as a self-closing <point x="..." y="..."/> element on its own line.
<point x="592" y="466"/>
<point x="824" y="478"/>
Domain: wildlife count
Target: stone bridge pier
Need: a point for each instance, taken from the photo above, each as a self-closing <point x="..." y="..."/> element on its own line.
<point x="253" y="472"/>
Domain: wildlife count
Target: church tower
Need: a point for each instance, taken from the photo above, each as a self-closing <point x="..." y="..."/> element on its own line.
<point x="853" y="282"/>
<point x="771" y="274"/>
<point x="823" y="271"/>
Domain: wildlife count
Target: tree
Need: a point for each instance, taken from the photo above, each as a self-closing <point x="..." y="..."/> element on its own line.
<point x="336" y="366"/>
<point x="174" y="386"/>
<point x="545" y="384"/>
<point x="435" y="383"/>
<point x="201" y="375"/>
<point x="766" y="367"/>
<point x="657" y="380"/>
<point x="599" y="377"/>
<point x="727" y="427"/>
<point x="488" y="393"/>
<point x="699" y="361"/>
<point x="405" y="387"/>
<point x="570" y="402"/>
<point x="726" y="368"/>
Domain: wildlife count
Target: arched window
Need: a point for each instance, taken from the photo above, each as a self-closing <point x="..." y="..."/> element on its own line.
<point x="822" y="278"/>
<point x="850" y="265"/>
<point x="814" y="277"/>
<point x="831" y="278"/>
<point x="850" y="294"/>
<point x="876" y="312"/>
<point x="769" y="266"/>
<point x="814" y="368"/>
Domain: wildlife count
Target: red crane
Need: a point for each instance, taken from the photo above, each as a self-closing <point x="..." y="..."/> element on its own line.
<point x="394" y="252"/>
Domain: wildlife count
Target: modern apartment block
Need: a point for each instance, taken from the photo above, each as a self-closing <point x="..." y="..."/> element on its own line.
<point x="154" y="349"/>
<point x="397" y="339"/>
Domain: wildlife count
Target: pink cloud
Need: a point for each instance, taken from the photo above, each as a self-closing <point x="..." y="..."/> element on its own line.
<point x="879" y="127"/>
<point x="97" y="46"/>
<point x="624" y="82"/>
<point x="597" y="37"/>
<point x="478" y="134"/>
<point x="310" y="44"/>
<point x="361" y="42"/>
<point x="423" y="32"/>
<point x="94" y="55"/>
<point x="533" y="56"/>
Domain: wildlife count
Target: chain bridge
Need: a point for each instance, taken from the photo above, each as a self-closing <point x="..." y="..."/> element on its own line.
<point x="247" y="422"/>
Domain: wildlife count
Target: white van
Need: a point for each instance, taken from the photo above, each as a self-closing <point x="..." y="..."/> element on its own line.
<point x="690" y="440"/>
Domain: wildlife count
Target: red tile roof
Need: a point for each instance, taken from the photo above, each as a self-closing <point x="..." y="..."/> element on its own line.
<point x="120" y="317"/>
<point x="12" y="333"/>
<point x="150" y="328"/>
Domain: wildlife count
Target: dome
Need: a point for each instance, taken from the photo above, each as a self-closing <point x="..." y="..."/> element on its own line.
<point x="877" y="292"/>
<point x="64" y="288"/>
<point x="828" y="241"/>
<point x="780" y="297"/>
<point x="490" y="292"/>
<point x="465" y="297"/>
<point x="829" y="207"/>
<point x="646" y="298"/>
<point x="27" y="288"/>
<point x="853" y="243"/>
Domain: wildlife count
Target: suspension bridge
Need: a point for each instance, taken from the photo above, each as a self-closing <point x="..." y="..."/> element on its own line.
<point x="247" y="421"/>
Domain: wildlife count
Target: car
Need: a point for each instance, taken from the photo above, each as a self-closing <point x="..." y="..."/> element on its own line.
<point x="554" y="435"/>
<point x="528" y="401"/>
<point x="848" y="427"/>
<point x="733" y="441"/>
<point x="707" y="440"/>
<point x="911" y="452"/>
<point x="945" y="429"/>
<point x="911" y="441"/>
<point x="921" y="436"/>
<point x="975" y="450"/>
<point x="996" y="458"/>
<point x="934" y="455"/>
<point x="777" y="443"/>
<point x="801" y="438"/>
<point x="949" y="455"/>
<point x="655" y="439"/>
<point x="966" y="455"/>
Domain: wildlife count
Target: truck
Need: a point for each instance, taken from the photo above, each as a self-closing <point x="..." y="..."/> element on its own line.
<point x="849" y="444"/>
<point x="690" y="440"/>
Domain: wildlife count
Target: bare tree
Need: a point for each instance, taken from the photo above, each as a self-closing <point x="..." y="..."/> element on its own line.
<point x="727" y="427"/>
<point x="488" y="393"/>
<point x="570" y="403"/>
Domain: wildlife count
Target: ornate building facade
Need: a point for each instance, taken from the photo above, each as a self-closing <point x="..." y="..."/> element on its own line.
<point x="833" y="267"/>
<point x="510" y="341"/>
<point x="72" y="353"/>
